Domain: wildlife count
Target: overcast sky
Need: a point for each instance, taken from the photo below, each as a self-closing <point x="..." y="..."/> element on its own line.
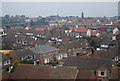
<point x="34" y="9"/>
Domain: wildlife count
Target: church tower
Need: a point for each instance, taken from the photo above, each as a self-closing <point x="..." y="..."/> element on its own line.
<point x="82" y="16"/>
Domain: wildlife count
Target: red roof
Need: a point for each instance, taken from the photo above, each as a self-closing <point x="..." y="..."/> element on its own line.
<point x="94" y="33"/>
<point x="5" y="75"/>
<point x="27" y="71"/>
<point x="94" y="23"/>
<point x="101" y="28"/>
<point x="18" y="27"/>
<point x="41" y="28"/>
<point x="82" y="29"/>
<point x="71" y="27"/>
<point x="86" y="74"/>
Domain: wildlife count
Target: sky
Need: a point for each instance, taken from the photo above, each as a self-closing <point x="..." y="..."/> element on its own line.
<point x="34" y="9"/>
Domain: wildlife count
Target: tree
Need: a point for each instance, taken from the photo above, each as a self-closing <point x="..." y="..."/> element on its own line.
<point x="15" y="64"/>
<point x="27" y="62"/>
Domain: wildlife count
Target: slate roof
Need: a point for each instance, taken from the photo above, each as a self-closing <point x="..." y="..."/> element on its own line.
<point x="115" y="51"/>
<point x="86" y="74"/>
<point x="75" y="43"/>
<point x="43" y="49"/>
<point x="71" y="45"/>
<point x="87" y="63"/>
<point x="5" y="58"/>
<point x="104" y="54"/>
<point x="22" y="52"/>
<point x="43" y="72"/>
<point x="115" y="74"/>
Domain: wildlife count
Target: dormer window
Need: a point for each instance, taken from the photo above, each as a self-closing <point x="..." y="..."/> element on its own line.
<point x="102" y="73"/>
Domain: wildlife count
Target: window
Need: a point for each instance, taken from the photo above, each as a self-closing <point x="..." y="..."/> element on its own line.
<point x="102" y="73"/>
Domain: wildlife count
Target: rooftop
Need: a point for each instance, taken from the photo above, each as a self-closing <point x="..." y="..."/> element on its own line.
<point x="43" y="49"/>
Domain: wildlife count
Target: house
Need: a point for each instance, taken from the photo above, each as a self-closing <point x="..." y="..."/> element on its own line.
<point x="44" y="53"/>
<point x="98" y="68"/>
<point x="102" y="54"/>
<point x="6" y="63"/>
<point x="77" y="31"/>
<point x="28" y="28"/>
<point x="2" y="33"/>
<point x="116" y="32"/>
<point x="73" y="48"/>
<point x="55" y="24"/>
<point x="5" y="76"/>
<point x="60" y="56"/>
<point x="71" y="27"/>
<point x="61" y="20"/>
<point x="95" y="34"/>
<point x="70" y="47"/>
<point x="111" y="53"/>
<point x="18" y="27"/>
<point x="23" y="54"/>
<point x="82" y="31"/>
<point x="86" y="75"/>
<point x="101" y="28"/>
<point x="105" y="43"/>
<point x="68" y="29"/>
<point x="113" y="43"/>
<point x="41" y="28"/>
<point x="31" y="72"/>
<point x="115" y="74"/>
<point x="114" y="52"/>
<point x="22" y="38"/>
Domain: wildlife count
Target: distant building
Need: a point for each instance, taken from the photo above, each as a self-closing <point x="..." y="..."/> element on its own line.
<point x="82" y="16"/>
<point x="1" y="31"/>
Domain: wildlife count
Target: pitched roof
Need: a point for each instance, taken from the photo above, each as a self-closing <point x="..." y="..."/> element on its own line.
<point x="43" y="72"/>
<point x="103" y="54"/>
<point x="86" y="74"/>
<point x="115" y="74"/>
<point x="71" y="45"/>
<point x="18" y="27"/>
<point x="5" y="75"/>
<point x="43" y="49"/>
<point x="81" y="29"/>
<point x="75" y="43"/>
<point x="115" y="51"/>
<point x="93" y="33"/>
<point x="22" y="52"/>
<point x="71" y="27"/>
<point x="87" y="63"/>
<point x="41" y="28"/>
<point x="5" y="57"/>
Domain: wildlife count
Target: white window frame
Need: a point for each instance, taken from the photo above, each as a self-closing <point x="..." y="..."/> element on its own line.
<point x="99" y="73"/>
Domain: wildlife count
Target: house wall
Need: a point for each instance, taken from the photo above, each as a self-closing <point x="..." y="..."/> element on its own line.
<point x="104" y="70"/>
<point x="63" y="49"/>
<point x="49" y="54"/>
<point x="69" y="51"/>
